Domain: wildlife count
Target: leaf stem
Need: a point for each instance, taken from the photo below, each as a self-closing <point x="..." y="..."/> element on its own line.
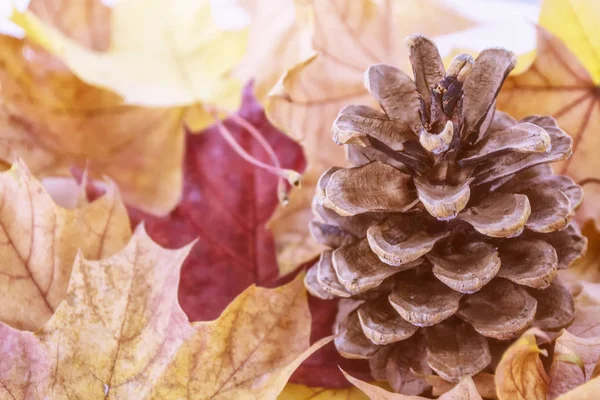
<point x="291" y="176"/>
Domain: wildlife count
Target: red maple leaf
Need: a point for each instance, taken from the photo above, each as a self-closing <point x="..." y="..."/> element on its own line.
<point x="225" y="205"/>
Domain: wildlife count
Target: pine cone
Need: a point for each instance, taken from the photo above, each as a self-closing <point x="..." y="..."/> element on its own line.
<point x="449" y="227"/>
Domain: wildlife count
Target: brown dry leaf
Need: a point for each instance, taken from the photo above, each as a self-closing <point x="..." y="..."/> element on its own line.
<point x="577" y="351"/>
<point x="55" y="120"/>
<point x="41" y="239"/>
<point x="588" y="391"/>
<point x="121" y="334"/>
<point x="574" y="360"/>
<point x="520" y="374"/>
<point x="348" y="37"/>
<point x="558" y="84"/>
<point x="586" y="323"/>
<point x="465" y="389"/>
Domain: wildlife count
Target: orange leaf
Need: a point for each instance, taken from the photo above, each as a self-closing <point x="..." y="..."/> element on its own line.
<point x="121" y="334"/>
<point x="557" y="84"/>
<point x="40" y="241"/>
<point x="348" y="37"/>
<point x="465" y="389"/>
<point x="520" y="374"/>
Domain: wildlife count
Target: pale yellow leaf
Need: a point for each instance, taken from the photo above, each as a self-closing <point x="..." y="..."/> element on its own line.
<point x="121" y="334"/>
<point x="40" y="241"/>
<point x="55" y="121"/>
<point x="563" y="84"/>
<point x="484" y="382"/>
<point x="465" y="389"/>
<point x="279" y="37"/>
<point x="160" y="54"/>
<point x="575" y="22"/>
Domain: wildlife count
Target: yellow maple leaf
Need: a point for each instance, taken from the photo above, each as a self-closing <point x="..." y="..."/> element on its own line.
<point x="348" y="37"/>
<point x="300" y="392"/>
<point x="520" y="374"/>
<point x="160" y="54"/>
<point x="54" y="120"/>
<point x="121" y="334"/>
<point x="575" y="22"/>
<point x="40" y="241"/>
<point x="563" y="82"/>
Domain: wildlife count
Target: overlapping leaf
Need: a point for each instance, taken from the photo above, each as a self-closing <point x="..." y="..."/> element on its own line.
<point x="348" y="37"/>
<point x="54" y="120"/>
<point x="563" y="82"/>
<point x="122" y="334"/>
<point x="40" y="241"/>
<point x="180" y="58"/>
<point x="588" y="269"/>
<point x="520" y="375"/>
<point x="278" y="38"/>
<point x="225" y="205"/>
<point x="465" y="389"/>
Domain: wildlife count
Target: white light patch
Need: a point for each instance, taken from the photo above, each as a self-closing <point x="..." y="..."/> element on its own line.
<point x="229" y="15"/>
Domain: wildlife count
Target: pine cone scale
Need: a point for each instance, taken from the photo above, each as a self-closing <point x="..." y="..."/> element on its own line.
<point x="467" y="269"/>
<point x="374" y="187"/>
<point x="556" y="308"/>
<point x="382" y="324"/>
<point x="531" y="263"/>
<point x="499" y="320"/>
<point x="401" y="240"/>
<point x="501" y="216"/>
<point x="423" y="300"/>
<point x="482" y="86"/>
<point x="454" y="349"/>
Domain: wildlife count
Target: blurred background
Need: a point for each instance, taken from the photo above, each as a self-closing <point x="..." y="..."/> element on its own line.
<point x="506" y="23"/>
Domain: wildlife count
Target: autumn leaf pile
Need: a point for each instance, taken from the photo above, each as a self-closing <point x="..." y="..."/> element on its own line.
<point x="154" y="232"/>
